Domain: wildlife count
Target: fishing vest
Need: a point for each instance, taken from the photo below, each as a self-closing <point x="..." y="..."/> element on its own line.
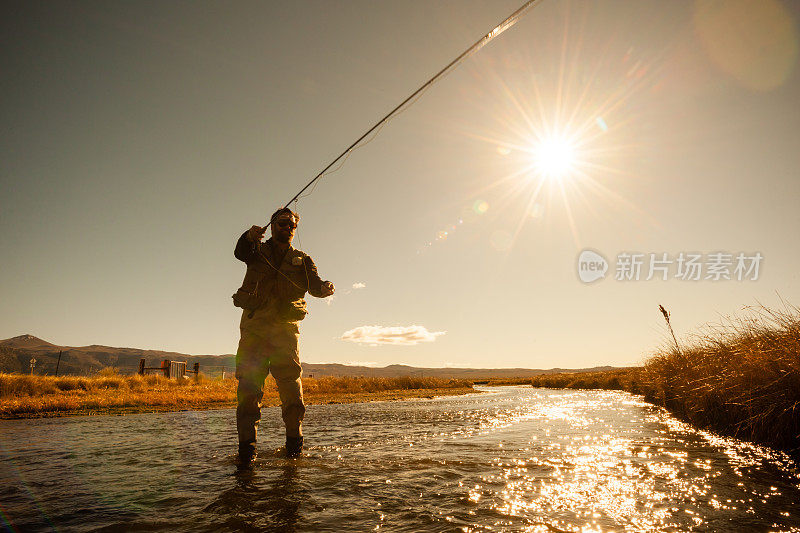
<point x="279" y="290"/>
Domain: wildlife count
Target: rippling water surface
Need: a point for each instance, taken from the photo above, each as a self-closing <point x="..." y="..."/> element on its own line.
<point x="510" y="459"/>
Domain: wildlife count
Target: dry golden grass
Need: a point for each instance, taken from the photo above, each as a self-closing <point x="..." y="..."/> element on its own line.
<point x="24" y="395"/>
<point x="328" y="385"/>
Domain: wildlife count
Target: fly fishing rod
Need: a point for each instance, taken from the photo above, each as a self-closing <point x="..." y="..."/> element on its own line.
<point x="480" y="43"/>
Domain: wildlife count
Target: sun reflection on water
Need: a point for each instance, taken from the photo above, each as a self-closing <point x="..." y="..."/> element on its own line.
<point x="588" y="476"/>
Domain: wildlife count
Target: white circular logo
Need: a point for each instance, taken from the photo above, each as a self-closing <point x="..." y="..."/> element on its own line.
<point x="591" y="266"/>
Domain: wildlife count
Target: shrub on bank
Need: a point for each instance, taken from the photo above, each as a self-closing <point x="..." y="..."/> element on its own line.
<point x="619" y="379"/>
<point x="498" y="382"/>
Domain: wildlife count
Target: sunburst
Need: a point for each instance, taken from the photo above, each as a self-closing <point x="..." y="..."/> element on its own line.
<point x="554" y="157"/>
<point x="561" y="154"/>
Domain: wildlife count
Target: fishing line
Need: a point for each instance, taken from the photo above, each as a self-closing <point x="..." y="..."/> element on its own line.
<point x="480" y="43"/>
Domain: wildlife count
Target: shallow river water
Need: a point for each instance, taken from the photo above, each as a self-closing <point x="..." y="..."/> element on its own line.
<point x="510" y="459"/>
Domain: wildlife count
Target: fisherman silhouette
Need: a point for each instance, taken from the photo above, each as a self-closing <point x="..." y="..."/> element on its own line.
<point x="272" y="298"/>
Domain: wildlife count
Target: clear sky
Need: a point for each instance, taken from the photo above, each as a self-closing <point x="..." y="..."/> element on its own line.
<point x="140" y="139"/>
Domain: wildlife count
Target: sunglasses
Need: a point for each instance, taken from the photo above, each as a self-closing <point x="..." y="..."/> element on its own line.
<point x="286" y="224"/>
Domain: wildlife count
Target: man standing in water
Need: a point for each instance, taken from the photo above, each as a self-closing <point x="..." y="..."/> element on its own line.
<point x="272" y="297"/>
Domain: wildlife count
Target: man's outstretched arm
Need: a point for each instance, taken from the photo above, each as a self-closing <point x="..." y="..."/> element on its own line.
<point x="316" y="286"/>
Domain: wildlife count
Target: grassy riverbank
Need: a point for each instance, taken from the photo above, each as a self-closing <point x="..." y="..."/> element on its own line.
<point x="740" y="379"/>
<point x="24" y="396"/>
<point x="627" y="379"/>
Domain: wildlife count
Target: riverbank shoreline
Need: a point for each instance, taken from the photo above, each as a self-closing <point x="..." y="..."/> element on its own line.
<point x="323" y="399"/>
<point x="24" y="396"/>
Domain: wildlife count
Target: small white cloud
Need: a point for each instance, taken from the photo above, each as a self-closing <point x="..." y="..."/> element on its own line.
<point x="371" y="364"/>
<point x="359" y="285"/>
<point x="396" y="335"/>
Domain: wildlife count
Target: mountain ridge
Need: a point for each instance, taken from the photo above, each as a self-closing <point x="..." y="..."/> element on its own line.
<point x="16" y="353"/>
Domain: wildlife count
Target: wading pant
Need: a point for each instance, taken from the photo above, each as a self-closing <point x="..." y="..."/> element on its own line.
<point x="266" y="347"/>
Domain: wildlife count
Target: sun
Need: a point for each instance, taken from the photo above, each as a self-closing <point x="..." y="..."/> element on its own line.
<point x="554" y="158"/>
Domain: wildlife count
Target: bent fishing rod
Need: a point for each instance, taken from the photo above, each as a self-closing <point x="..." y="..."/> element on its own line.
<point x="480" y="43"/>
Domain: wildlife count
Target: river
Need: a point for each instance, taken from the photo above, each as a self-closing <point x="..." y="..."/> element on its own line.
<point x="508" y="459"/>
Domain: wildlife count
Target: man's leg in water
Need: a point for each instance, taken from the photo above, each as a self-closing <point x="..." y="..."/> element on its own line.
<point x="290" y="389"/>
<point x="285" y="368"/>
<point x="252" y="367"/>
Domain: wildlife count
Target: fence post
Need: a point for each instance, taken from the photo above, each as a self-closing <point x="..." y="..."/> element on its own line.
<point x="141" y="367"/>
<point x="196" y="371"/>
<point x="165" y="368"/>
<point x="59" y="361"/>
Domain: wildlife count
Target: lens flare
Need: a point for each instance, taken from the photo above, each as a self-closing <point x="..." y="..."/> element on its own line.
<point x="480" y="207"/>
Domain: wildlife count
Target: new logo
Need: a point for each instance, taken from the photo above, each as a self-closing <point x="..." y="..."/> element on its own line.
<point x="591" y="266"/>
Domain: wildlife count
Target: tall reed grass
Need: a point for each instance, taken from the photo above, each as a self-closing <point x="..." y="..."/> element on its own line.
<point x="740" y="378"/>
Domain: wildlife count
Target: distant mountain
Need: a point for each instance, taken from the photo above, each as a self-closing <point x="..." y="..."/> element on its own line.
<point x="16" y="353"/>
<point x="474" y="374"/>
<point x="29" y="343"/>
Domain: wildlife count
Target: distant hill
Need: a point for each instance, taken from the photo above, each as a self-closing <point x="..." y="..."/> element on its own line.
<point x="16" y="353"/>
<point x="460" y="373"/>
